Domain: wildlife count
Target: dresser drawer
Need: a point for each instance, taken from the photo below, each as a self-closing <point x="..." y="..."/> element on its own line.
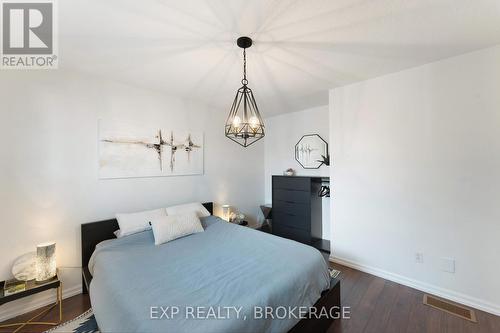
<point x="283" y="218"/>
<point x="292" y="196"/>
<point x="293" y="208"/>
<point x="292" y="233"/>
<point x="292" y="183"/>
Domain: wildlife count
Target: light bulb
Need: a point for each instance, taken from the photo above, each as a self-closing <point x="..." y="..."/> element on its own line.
<point x="236" y="122"/>
<point x="254" y="122"/>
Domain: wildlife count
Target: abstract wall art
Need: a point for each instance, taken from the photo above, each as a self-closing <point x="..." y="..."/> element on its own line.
<point x="129" y="151"/>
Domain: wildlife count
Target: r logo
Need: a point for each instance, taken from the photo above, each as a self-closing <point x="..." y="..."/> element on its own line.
<point x="27" y="28"/>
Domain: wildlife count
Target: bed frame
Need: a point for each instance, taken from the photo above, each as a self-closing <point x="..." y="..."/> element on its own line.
<point x="95" y="232"/>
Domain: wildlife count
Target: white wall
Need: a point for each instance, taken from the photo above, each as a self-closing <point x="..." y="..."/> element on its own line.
<point x="48" y="166"/>
<point x="282" y="134"/>
<point x="416" y="169"/>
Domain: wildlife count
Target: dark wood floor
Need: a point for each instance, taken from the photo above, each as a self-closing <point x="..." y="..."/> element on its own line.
<point x="377" y="305"/>
<point x="72" y="307"/>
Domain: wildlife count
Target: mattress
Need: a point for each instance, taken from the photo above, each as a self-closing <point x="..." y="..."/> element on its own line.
<point x="228" y="278"/>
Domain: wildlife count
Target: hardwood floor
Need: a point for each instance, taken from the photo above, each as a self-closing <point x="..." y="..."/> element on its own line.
<point x="72" y="307"/>
<point x="379" y="305"/>
<point x="376" y="306"/>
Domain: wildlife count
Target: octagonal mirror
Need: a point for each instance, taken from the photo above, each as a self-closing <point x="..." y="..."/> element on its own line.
<point x="311" y="151"/>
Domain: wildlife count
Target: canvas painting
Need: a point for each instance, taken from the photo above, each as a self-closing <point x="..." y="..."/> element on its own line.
<point x="128" y="151"/>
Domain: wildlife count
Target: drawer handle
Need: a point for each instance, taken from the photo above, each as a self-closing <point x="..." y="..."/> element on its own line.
<point x="290" y="202"/>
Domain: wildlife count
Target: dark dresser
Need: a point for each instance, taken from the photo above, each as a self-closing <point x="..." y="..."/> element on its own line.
<point x="297" y="209"/>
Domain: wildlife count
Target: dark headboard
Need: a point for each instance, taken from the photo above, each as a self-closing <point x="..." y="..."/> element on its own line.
<point x="96" y="232"/>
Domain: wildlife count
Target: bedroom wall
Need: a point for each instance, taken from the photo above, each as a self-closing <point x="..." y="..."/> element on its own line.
<point x="282" y="134"/>
<point x="49" y="164"/>
<point x="416" y="170"/>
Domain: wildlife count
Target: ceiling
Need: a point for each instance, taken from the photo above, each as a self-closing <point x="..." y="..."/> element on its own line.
<point x="301" y="48"/>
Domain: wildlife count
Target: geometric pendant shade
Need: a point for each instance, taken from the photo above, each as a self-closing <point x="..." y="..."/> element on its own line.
<point x="244" y="124"/>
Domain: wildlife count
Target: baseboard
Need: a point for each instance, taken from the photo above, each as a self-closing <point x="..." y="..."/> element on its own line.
<point x="20" y="308"/>
<point x="422" y="286"/>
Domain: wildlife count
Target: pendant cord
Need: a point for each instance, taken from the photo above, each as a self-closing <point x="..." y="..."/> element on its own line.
<point x="244" y="81"/>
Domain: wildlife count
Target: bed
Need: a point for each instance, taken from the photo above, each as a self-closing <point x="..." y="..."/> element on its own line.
<point x="228" y="270"/>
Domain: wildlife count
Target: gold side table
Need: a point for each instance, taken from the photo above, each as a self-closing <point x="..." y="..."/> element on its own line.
<point x="33" y="288"/>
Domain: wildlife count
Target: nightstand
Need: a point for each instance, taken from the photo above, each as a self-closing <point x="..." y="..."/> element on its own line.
<point x="33" y="288"/>
<point x="260" y="226"/>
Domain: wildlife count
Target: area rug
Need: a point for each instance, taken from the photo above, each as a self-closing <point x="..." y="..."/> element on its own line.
<point x="84" y="323"/>
<point x="334" y="273"/>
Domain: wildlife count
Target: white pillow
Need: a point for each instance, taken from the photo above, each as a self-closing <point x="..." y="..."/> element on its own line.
<point x="194" y="207"/>
<point x="170" y="227"/>
<point x="136" y="222"/>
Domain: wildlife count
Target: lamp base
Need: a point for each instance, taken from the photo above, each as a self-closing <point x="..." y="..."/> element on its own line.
<point x="46" y="280"/>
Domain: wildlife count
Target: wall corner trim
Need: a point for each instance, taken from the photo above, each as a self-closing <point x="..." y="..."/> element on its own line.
<point x="422" y="286"/>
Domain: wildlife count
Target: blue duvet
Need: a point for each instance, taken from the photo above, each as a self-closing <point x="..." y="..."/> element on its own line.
<point x="220" y="280"/>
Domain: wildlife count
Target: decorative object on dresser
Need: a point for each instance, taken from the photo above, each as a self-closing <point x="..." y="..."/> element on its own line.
<point x="297" y="210"/>
<point x="311" y="152"/>
<point x="244" y="124"/>
<point x="127" y="151"/>
<point x="289" y="172"/>
<point x="31" y="288"/>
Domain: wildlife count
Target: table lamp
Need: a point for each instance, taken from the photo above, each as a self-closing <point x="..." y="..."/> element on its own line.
<point x="45" y="261"/>
<point x="226" y="210"/>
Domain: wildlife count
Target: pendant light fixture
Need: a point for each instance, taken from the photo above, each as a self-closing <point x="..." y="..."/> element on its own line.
<point x="244" y="124"/>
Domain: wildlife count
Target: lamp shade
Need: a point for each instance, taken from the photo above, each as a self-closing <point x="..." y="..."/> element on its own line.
<point x="45" y="261"/>
<point x="226" y="209"/>
<point x="244" y="124"/>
